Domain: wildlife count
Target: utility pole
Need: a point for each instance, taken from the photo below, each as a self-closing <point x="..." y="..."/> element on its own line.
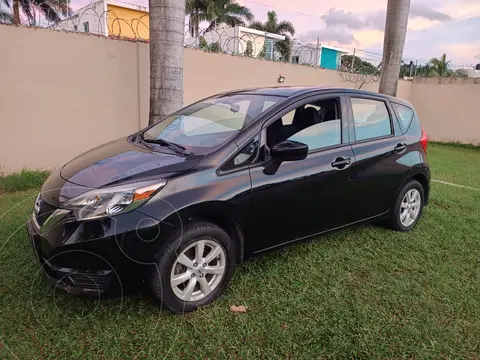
<point x="393" y="43"/>
<point x="353" y="60"/>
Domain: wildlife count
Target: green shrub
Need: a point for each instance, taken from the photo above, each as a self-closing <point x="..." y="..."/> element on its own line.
<point x="215" y="47"/>
<point x="261" y="54"/>
<point x="249" y="49"/>
<point x="202" y="43"/>
<point x="23" y="180"/>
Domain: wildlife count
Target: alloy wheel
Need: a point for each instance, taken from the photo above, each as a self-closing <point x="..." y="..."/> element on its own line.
<point x="198" y="270"/>
<point x="410" y="207"/>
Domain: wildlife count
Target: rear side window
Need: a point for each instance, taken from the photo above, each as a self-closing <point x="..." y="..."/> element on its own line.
<point x="404" y="115"/>
<point x="371" y="119"/>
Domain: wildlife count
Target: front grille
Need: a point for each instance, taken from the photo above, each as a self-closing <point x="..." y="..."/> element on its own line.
<point x="44" y="211"/>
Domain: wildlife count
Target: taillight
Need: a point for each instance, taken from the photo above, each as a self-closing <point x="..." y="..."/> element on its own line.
<point x="424" y="140"/>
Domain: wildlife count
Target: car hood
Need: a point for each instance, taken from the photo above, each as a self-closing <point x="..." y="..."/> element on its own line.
<point x="122" y="161"/>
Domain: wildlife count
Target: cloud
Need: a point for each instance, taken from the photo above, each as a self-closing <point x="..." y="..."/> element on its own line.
<point x="328" y="34"/>
<point x="458" y="39"/>
<point x="417" y="10"/>
<point x="339" y="17"/>
<point x="477" y="56"/>
<point x="377" y="21"/>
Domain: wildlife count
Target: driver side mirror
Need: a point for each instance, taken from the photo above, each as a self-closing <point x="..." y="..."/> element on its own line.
<point x="289" y="150"/>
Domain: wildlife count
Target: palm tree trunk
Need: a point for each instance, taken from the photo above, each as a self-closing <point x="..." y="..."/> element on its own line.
<point x="167" y="18"/>
<point x="16" y="12"/>
<point x="394" y="41"/>
<point x="197" y="28"/>
<point x="197" y="24"/>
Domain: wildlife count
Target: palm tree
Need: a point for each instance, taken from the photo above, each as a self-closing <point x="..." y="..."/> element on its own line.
<point x="215" y="11"/>
<point x="52" y="10"/>
<point x="393" y="44"/>
<point x="272" y="25"/>
<point x="440" y="66"/>
<point x="228" y="12"/>
<point x="167" y="21"/>
<point x="5" y="17"/>
<point x="197" y="11"/>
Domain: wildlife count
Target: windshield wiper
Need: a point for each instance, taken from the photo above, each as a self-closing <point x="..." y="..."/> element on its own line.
<point x="175" y="147"/>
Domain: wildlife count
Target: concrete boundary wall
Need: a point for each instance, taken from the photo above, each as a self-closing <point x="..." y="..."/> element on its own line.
<point x="63" y="93"/>
<point x="449" y="108"/>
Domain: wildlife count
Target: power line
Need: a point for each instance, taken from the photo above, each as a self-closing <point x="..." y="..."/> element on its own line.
<point x="370" y="53"/>
<point x="284" y="9"/>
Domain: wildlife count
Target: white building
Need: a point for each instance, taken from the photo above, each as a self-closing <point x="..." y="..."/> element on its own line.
<point x="473" y="73"/>
<point x="234" y="40"/>
<point x="325" y="56"/>
<point x="110" y="18"/>
<point x="91" y="18"/>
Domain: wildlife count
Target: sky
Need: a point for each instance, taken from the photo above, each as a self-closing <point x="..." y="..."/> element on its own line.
<point x="434" y="27"/>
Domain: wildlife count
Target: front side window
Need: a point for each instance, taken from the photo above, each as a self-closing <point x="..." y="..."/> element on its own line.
<point x="371" y="119"/>
<point x="208" y="124"/>
<point x="316" y="124"/>
<point x="320" y="135"/>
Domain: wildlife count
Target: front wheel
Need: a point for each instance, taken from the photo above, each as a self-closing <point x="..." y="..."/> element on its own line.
<point x="193" y="268"/>
<point x="408" y="207"/>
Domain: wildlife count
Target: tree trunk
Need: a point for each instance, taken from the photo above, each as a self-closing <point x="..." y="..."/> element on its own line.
<point x="197" y="29"/>
<point x="167" y="21"/>
<point x="197" y="24"/>
<point x="394" y="41"/>
<point x="16" y="12"/>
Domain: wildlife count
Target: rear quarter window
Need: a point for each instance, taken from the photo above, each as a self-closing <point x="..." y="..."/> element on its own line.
<point x="404" y="115"/>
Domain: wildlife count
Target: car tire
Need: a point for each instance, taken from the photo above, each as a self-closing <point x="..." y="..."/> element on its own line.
<point x="405" y="215"/>
<point x="170" y="267"/>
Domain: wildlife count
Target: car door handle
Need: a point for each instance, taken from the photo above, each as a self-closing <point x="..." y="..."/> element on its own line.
<point x="341" y="163"/>
<point x="400" y="148"/>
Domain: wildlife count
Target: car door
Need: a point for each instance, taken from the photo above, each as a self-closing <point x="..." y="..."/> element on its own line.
<point x="381" y="163"/>
<point x="305" y="197"/>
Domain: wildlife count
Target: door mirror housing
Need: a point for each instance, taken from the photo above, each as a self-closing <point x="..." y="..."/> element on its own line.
<point x="289" y="150"/>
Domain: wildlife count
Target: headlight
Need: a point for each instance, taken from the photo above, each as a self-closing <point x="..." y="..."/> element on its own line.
<point x="113" y="200"/>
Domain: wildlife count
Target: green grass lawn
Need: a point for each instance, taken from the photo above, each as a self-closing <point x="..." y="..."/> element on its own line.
<point x="23" y="180"/>
<point x="363" y="293"/>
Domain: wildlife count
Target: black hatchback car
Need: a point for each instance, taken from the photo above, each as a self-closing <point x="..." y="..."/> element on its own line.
<point x="180" y="203"/>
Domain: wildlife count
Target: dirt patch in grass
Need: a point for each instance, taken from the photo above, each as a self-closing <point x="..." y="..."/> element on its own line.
<point x="440" y="204"/>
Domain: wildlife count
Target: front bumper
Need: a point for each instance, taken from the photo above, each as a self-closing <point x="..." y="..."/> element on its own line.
<point x="74" y="281"/>
<point x="104" y="256"/>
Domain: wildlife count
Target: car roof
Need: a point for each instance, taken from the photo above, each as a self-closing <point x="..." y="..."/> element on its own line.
<point x="294" y="91"/>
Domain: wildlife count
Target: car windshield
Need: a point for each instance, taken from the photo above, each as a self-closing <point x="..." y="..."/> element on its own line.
<point x="209" y="123"/>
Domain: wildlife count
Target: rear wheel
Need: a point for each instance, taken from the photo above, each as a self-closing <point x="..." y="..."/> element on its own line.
<point x="193" y="268"/>
<point x="408" y="207"/>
